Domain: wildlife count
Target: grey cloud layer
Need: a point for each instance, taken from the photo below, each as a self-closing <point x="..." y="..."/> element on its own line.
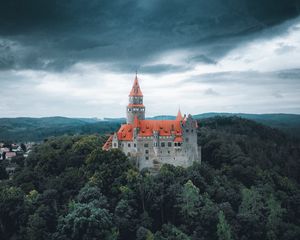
<point x="53" y="34"/>
<point x="289" y="77"/>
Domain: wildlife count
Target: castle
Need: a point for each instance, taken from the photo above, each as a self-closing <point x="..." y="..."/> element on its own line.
<point x="151" y="143"/>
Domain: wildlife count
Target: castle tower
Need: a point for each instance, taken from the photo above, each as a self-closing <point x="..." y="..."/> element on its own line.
<point x="179" y="116"/>
<point x="135" y="106"/>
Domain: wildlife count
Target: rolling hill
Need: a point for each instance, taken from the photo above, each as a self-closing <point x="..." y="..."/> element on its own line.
<point x="37" y="129"/>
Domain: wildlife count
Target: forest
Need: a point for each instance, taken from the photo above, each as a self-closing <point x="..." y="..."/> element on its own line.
<point x="246" y="187"/>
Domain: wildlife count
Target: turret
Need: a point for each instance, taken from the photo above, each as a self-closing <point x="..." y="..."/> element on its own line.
<point x="135" y="106"/>
<point x="179" y="116"/>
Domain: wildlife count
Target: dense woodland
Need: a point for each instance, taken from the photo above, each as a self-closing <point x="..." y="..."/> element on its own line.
<point x="247" y="187"/>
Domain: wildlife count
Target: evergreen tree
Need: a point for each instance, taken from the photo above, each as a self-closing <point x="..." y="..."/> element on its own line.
<point x="274" y="218"/>
<point x="189" y="200"/>
<point x="223" y="228"/>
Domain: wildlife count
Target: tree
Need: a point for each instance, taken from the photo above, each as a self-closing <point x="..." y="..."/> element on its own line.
<point x="250" y="213"/>
<point x="11" y="211"/>
<point x="86" y="221"/>
<point x="40" y="224"/>
<point x="93" y="194"/>
<point x="223" y="228"/>
<point x="86" y="145"/>
<point x="3" y="173"/>
<point x="107" y="170"/>
<point x="189" y="200"/>
<point x="171" y="232"/>
<point x="274" y="218"/>
<point x="144" y="234"/>
<point x="125" y="217"/>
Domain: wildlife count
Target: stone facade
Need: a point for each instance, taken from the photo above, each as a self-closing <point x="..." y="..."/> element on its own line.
<point x="151" y="143"/>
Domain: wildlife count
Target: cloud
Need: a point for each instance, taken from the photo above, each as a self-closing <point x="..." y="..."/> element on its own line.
<point x="78" y="58"/>
<point x="54" y="35"/>
<point x="210" y="91"/>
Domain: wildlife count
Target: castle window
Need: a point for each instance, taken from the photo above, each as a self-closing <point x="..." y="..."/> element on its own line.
<point x="192" y="130"/>
<point x="134" y="145"/>
<point x="128" y="154"/>
<point x="115" y="145"/>
<point x="176" y="144"/>
<point x="179" y="144"/>
<point x="169" y="144"/>
<point x="146" y="145"/>
<point x="162" y="144"/>
<point x="129" y="145"/>
<point x="187" y="130"/>
<point x="147" y="158"/>
<point x="168" y="152"/>
<point x="146" y="151"/>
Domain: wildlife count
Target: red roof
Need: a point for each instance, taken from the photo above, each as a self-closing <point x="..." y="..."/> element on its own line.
<point x="147" y="127"/>
<point x="108" y="143"/>
<point x="125" y="132"/>
<point x="178" y="139"/>
<point x="179" y="116"/>
<point x="164" y="127"/>
<point x="136" y="90"/>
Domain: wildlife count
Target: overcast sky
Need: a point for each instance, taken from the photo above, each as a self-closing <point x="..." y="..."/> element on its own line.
<point x="78" y="58"/>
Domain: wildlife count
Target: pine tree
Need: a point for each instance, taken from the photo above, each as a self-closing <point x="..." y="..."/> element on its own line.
<point x="223" y="228"/>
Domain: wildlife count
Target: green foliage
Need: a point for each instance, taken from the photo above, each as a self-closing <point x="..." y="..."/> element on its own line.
<point x="85" y="221"/>
<point x="170" y="232"/>
<point x="12" y="209"/>
<point x="223" y="228"/>
<point x="42" y="223"/>
<point x="189" y="200"/>
<point x="274" y="220"/>
<point x="247" y="187"/>
<point x="144" y="234"/>
<point x="3" y="173"/>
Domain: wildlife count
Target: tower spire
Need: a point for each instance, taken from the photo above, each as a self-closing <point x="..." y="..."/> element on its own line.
<point x="179" y="115"/>
<point x="136" y="90"/>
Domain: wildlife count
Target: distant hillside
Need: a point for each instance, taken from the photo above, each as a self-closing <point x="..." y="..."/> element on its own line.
<point x="289" y="123"/>
<point x="119" y="120"/>
<point x="37" y="129"/>
<point x="162" y="117"/>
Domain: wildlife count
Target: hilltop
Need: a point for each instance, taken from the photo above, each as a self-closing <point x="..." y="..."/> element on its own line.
<point x="37" y="129"/>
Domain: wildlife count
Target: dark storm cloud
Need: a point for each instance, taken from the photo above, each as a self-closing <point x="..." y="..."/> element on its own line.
<point x="202" y="59"/>
<point x="53" y="34"/>
<point x="287" y="76"/>
<point x="159" y="68"/>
